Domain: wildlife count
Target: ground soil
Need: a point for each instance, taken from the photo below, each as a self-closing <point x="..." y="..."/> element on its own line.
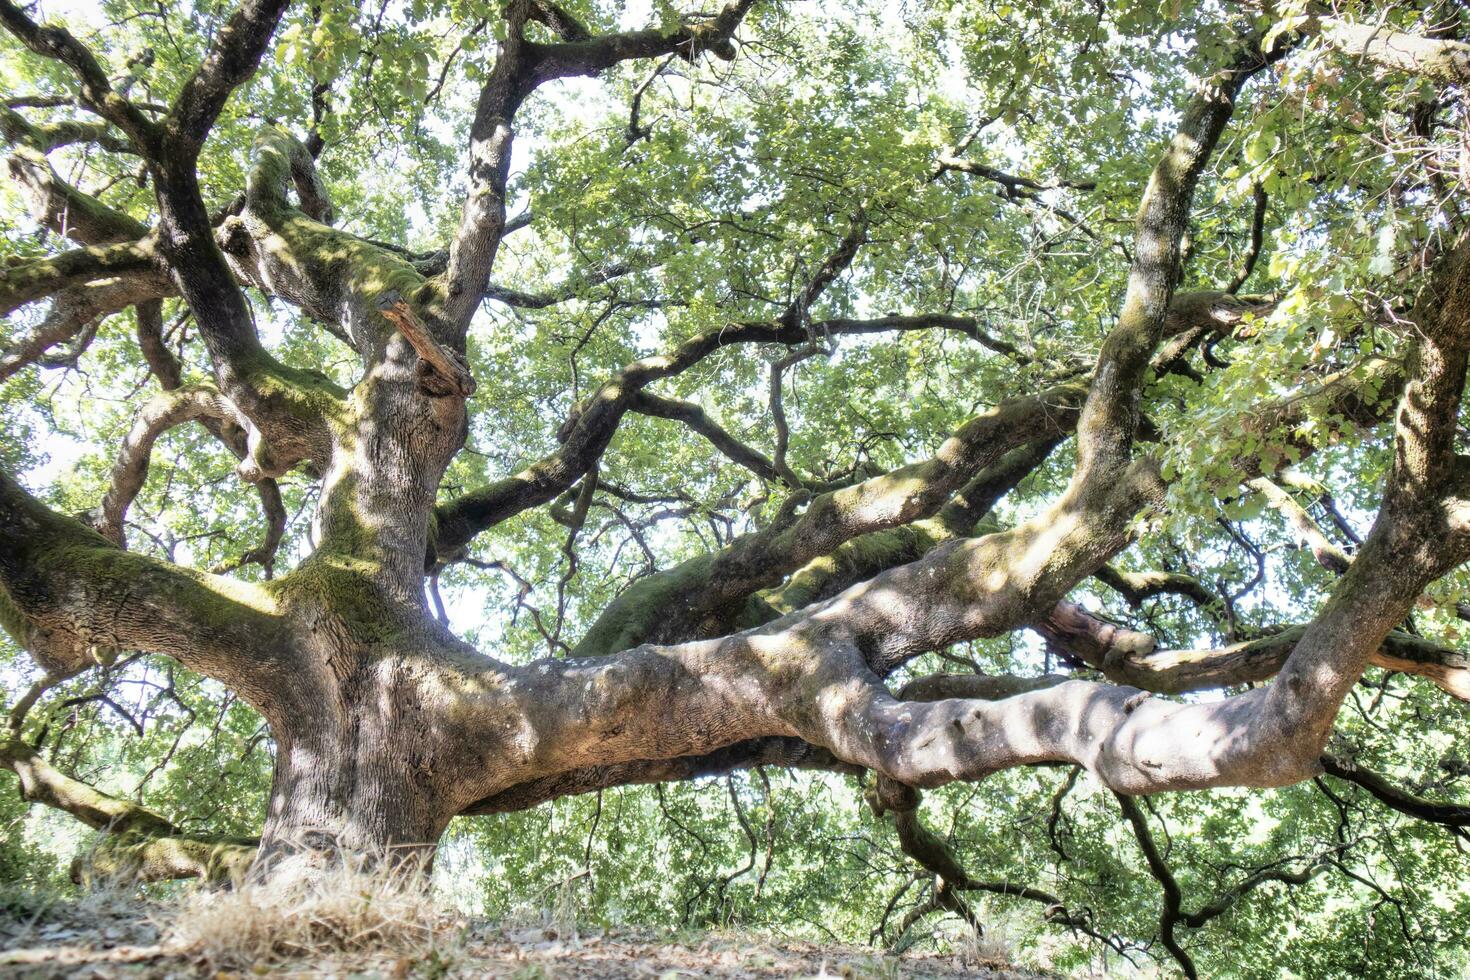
<point x="122" y="941"/>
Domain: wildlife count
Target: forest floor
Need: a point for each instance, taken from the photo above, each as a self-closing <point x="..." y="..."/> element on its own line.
<point x="125" y="940"/>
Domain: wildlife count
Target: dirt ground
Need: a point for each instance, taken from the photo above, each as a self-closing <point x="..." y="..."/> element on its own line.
<point x="105" y="943"/>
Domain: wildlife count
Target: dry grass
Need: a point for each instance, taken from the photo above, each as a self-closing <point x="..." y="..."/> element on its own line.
<point x="379" y="919"/>
<point x="308" y="907"/>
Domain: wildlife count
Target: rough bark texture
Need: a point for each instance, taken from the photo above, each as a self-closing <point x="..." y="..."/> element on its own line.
<point x="773" y="650"/>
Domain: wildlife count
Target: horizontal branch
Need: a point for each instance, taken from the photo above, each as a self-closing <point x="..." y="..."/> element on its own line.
<point x="77" y="310"/>
<point x="591" y="424"/>
<point x="48" y="136"/>
<point x="1125" y="656"/>
<point x="1394" y="797"/>
<point x="1136" y="587"/>
<point x="63" y="578"/>
<point x="686" y="601"/>
<point x="785" y="752"/>
<point x="1012" y="184"/>
<point x="33" y="279"/>
<point x="588" y="55"/>
<point x="141" y="845"/>
<point x="1437" y="59"/>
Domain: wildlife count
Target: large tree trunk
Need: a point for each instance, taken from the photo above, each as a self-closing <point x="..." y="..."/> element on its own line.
<point x="366" y="787"/>
<point x="367" y="758"/>
<point x="386" y="726"/>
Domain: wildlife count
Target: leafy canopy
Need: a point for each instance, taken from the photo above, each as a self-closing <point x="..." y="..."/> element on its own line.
<point x="667" y="198"/>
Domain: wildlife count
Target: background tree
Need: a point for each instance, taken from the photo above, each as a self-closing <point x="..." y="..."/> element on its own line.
<point x="907" y="394"/>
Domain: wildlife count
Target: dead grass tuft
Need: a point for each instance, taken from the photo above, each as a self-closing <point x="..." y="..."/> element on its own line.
<point x="310" y="907"/>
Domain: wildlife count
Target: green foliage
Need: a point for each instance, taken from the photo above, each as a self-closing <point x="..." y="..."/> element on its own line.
<point x="741" y="179"/>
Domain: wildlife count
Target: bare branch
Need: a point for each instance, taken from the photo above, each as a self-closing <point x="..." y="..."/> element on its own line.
<point x="1170" y="915"/>
<point x="165" y="411"/>
<point x="441" y="372"/>
<point x="691" y="415"/>
<point x="1126" y="656"/>
<point x="1011" y="184"/>
<point x="1394" y="797"/>
<point x="1308" y="534"/>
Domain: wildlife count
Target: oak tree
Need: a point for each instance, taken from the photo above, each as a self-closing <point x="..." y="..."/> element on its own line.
<point x="911" y="393"/>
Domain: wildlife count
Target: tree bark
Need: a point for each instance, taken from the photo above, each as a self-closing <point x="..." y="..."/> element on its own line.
<point x="386" y="726"/>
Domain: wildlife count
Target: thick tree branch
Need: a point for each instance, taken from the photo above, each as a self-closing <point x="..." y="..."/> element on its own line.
<point x="1137" y="587"/>
<point x="699" y="597"/>
<point x="62" y="208"/>
<point x="162" y="362"/>
<point x="1105" y="433"/>
<point x="1439" y="60"/>
<point x="1126" y="656"/>
<point x="697" y="420"/>
<point x="865" y="556"/>
<point x="1394" y="797"/>
<point x="233" y="56"/>
<point x="165" y="411"/>
<point x="77" y="310"/>
<point x="695" y="598"/>
<point x="96" y="91"/>
<point x="141" y="844"/>
<point x="440" y="373"/>
<point x="520" y="67"/>
<point x="65" y="579"/>
<point x="41" y="783"/>
<point x="48" y="136"/>
<point x="36" y="279"/>
<point x="591" y="424"/>
<point x="785" y="752"/>
<point x="1308" y="534"/>
<point x="593" y="55"/>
